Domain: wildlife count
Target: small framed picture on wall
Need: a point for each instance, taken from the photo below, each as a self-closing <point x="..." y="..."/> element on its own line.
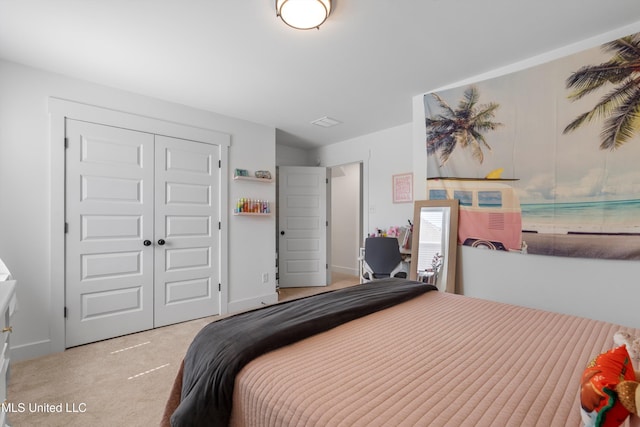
<point x="403" y="188"/>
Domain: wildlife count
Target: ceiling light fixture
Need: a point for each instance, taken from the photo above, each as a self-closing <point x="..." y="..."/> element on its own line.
<point x="303" y="14"/>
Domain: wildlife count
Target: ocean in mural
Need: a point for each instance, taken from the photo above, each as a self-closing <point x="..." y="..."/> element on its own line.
<point x="608" y="217"/>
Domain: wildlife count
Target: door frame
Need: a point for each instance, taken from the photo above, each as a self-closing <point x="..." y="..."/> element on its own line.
<point x="334" y="209"/>
<point x="61" y="109"/>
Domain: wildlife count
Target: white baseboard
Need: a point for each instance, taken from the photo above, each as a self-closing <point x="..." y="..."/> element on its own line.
<point x="42" y="348"/>
<point x="345" y="270"/>
<point x="30" y="351"/>
<point x="250" y="303"/>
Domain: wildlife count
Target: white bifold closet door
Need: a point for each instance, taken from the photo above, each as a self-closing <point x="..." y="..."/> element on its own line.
<point x="142" y="246"/>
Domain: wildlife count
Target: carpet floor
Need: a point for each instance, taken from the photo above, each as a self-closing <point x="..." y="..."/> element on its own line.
<point x="123" y="381"/>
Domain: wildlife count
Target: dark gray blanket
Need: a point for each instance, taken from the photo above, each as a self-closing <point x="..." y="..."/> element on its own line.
<point x="222" y="348"/>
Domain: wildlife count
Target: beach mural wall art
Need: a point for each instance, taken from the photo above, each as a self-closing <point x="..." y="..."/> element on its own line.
<point x="544" y="160"/>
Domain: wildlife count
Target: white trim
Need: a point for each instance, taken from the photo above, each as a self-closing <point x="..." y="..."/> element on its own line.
<point x="59" y="111"/>
<point x="91" y="113"/>
<point x="364" y="184"/>
<point x="418" y="149"/>
<point x="30" y="350"/>
<point x="56" y="318"/>
<point x="224" y="234"/>
<point x="344" y="270"/>
<point x="251" y="303"/>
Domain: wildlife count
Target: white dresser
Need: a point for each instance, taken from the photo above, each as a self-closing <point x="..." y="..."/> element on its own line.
<point x="7" y="305"/>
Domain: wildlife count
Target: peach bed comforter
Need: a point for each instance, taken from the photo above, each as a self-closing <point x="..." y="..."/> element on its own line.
<point x="437" y="360"/>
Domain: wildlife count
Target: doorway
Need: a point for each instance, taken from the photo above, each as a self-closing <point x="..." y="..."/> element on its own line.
<point x="302" y="226"/>
<point x="344" y="202"/>
<point x="346" y="219"/>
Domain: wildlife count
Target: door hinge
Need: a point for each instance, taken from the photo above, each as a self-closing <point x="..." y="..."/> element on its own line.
<point x="219" y="287"/>
<point x="65" y="312"/>
<point x="327" y="223"/>
<point x="219" y="225"/>
<point x="326" y="266"/>
<point x="66" y="143"/>
<point x="66" y="227"/>
<point x="219" y="164"/>
<point x="326" y="180"/>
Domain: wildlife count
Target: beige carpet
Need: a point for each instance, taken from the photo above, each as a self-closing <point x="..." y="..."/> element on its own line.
<point x="123" y="381"/>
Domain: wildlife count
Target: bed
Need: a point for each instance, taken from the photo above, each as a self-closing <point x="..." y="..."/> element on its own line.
<point x="433" y="358"/>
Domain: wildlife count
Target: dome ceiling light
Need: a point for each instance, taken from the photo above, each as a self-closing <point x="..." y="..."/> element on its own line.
<point x="303" y="14"/>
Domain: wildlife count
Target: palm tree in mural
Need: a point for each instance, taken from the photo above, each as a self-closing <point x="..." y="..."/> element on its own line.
<point x="621" y="105"/>
<point x="463" y="126"/>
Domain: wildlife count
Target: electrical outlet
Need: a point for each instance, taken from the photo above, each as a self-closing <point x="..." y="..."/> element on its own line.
<point x="265" y="277"/>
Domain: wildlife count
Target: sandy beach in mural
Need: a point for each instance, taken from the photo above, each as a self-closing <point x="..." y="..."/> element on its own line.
<point x="606" y="230"/>
<point x="583" y="245"/>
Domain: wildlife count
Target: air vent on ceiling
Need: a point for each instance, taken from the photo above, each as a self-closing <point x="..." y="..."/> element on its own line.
<point x="326" y="122"/>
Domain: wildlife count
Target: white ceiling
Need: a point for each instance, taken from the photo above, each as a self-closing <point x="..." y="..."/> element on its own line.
<point x="234" y="57"/>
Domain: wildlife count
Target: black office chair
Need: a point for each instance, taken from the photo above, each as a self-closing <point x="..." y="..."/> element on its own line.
<point x="382" y="259"/>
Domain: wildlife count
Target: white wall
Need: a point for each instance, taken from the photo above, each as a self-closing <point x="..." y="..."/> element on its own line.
<point x="25" y="198"/>
<point x="292" y="156"/>
<point x="382" y="154"/>
<point x="599" y="289"/>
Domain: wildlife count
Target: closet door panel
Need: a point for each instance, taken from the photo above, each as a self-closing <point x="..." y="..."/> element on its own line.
<point x="186" y="219"/>
<point x="109" y="212"/>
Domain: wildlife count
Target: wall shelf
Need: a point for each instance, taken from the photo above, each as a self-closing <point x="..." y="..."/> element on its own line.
<point x="251" y="214"/>
<point x="252" y="178"/>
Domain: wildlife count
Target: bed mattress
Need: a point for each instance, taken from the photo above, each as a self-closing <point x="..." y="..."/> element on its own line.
<point x="437" y="360"/>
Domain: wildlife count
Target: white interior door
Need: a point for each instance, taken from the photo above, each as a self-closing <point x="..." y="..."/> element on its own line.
<point x="186" y="230"/>
<point x="109" y="270"/>
<point x="302" y="218"/>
